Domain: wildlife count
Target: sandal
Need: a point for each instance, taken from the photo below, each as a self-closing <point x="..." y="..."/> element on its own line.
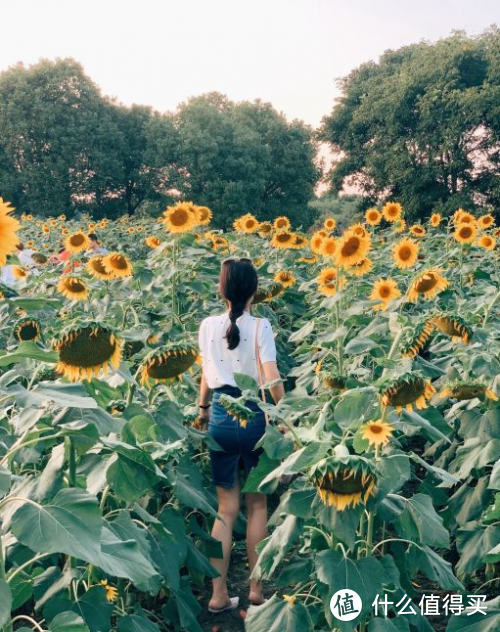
<point x="232" y="605"/>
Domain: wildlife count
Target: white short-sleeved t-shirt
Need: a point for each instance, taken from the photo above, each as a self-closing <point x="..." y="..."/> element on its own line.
<point x="219" y="363"/>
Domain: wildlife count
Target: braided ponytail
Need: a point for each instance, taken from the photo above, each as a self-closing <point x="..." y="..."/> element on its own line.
<point x="238" y="283"/>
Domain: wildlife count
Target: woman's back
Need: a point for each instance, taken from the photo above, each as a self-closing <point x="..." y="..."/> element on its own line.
<point x="220" y="363"/>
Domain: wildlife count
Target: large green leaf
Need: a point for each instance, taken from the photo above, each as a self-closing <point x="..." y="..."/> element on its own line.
<point x="356" y="407"/>
<point x="276" y="444"/>
<point x="419" y="521"/>
<point x="95" y="609"/>
<point x="276" y="546"/>
<point x="5" y="602"/>
<point x="132" y="471"/>
<point x="70" y="524"/>
<point x="474" y="543"/>
<point x="29" y="350"/>
<point x="489" y="622"/>
<point x="134" y="623"/>
<point x="379" y="624"/>
<point x="278" y="615"/>
<point x="68" y="622"/>
<point x="475" y="455"/>
<point x="433" y="566"/>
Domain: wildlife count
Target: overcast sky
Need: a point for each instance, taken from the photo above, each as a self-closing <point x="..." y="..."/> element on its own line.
<point x="288" y="52"/>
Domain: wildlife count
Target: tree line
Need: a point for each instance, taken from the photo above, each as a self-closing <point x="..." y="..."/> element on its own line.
<point x="421" y="125"/>
<point x="64" y="147"/>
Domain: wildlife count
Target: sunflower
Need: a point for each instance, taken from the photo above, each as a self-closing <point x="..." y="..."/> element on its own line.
<point x="301" y="241"/>
<point x="309" y="260"/>
<point x="485" y="221"/>
<point x="8" y="228"/>
<point x="283" y="240"/>
<point x="130" y="229"/>
<point x="351" y="249"/>
<point x="265" y="294"/>
<point x="330" y="281"/>
<point x="285" y="277"/>
<point x="282" y="223"/>
<point x="373" y="216"/>
<point x="204" y="215"/>
<point x="236" y="410"/>
<point x="316" y="242"/>
<point x="27" y="328"/>
<point x="247" y="224"/>
<point x="118" y="265"/>
<point x="465" y="233"/>
<point x="219" y="243"/>
<point x="265" y="228"/>
<point x="435" y="220"/>
<point x="377" y="433"/>
<point x="465" y="390"/>
<point x="45" y="229"/>
<point x="86" y="349"/>
<point x="73" y="288"/>
<point x="111" y="591"/>
<point x="179" y="218"/>
<point x="399" y="225"/>
<point x="96" y="268"/>
<point x="427" y="285"/>
<point x="463" y="217"/>
<point x="18" y="272"/>
<point x="62" y="217"/>
<point x="407" y="390"/>
<point x="418" y="230"/>
<point x="362" y="268"/>
<point x="392" y="211"/>
<point x="153" y="242"/>
<point x="405" y="253"/>
<point x="417" y="339"/>
<point x="330" y="223"/>
<point x="77" y="242"/>
<point x="328" y="247"/>
<point x="343" y="481"/>
<point x="454" y="326"/>
<point x="167" y="364"/>
<point x="487" y="242"/>
<point x="385" y="291"/>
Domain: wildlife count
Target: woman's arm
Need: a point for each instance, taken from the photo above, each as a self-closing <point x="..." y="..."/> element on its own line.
<point x="271" y="373"/>
<point x="205" y="392"/>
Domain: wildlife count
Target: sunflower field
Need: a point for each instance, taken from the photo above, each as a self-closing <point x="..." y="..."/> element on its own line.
<point x="388" y="337"/>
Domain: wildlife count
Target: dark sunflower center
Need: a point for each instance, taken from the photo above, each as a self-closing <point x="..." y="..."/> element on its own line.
<point x="283" y="238"/>
<point x="87" y="348"/>
<point x="179" y="217"/>
<point x="466" y="232"/>
<point x="28" y="331"/>
<point x="119" y="262"/>
<point x="406" y="392"/>
<point x="351" y="246"/>
<point x="170" y="365"/>
<point x="344" y="482"/>
<point x="426" y="283"/>
<point x="77" y="240"/>
<point x="384" y="291"/>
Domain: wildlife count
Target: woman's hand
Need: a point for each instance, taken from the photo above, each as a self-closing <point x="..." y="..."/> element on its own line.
<point x="201" y="423"/>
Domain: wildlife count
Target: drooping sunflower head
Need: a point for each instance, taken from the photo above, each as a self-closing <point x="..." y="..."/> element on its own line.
<point x="418" y="230"/>
<point x="465" y="233"/>
<point x="282" y="223"/>
<point x="117" y="265"/>
<point x="153" y="242"/>
<point x="463" y="390"/>
<point x="204" y="215"/>
<point x="453" y="325"/>
<point x="27" y="328"/>
<point x="96" y="268"/>
<point x="317" y="242"/>
<point x="384" y="291"/>
<point x="330" y="223"/>
<point x="301" y="241"/>
<point x="345" y="481"/>
<point x="427" y="285"/>
<point x="435" y="220"/>
<point x="73" y="288"/>
<point x="377" y="432"/>
<point x="417" y="339"/>
<point x="39" y="258"/>
<point x="486" y="221"/>
<point x="236" y="409"/>
<point x="407" y="390"/>
<point x="373" y="216"/>
<point x="351" y="249"/>
<point x="362" y="268"/>
<point x="330" y="281"/>
<point x="282" y="240"/>
<point x="167" y="364"/>
<point x="85" y="350"/>
<point x="392" y="211"/>
<point x="265" y="229"/>
<point x="463" y="217"/>
<point x="266" y="293"/>
<point x="77" y="242"/>
<point x="309" y="260"/>
<point x="405" y="253"/>
<point x="179" y="218"/>
<point x="329" y="376"/>
<point x="488" y="242"/>
<point x="285" y="277"/>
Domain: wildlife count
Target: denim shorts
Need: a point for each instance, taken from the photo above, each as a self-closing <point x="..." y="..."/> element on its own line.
<point x="237" y="443"/>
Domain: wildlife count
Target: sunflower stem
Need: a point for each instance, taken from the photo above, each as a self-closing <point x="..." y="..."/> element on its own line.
<point x="174" y="282"/>
<point x="8" y="626"/>
<point x="489" y="308"/>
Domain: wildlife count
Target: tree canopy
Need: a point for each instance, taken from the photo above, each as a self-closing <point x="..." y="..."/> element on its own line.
<point x="422" y="125"/>
<point x="64" y="147"/>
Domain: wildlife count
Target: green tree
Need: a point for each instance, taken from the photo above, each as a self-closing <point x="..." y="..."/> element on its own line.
<point x="422" y="125"/>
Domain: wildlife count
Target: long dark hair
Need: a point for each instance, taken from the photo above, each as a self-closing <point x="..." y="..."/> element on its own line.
<point x="237" y="284"/>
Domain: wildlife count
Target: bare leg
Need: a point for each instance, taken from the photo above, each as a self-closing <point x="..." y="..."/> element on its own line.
<point x="256" y="531"/>
<point x="229" y="507"/>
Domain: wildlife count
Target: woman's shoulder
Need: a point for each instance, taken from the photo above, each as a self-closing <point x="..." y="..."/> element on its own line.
<point x="212" y="320"/>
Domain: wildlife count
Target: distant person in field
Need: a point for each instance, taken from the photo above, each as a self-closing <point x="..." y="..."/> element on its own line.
<point x="95" y="246"/>
<point x="236" y="342"/>
<point x="8" y="274"/>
